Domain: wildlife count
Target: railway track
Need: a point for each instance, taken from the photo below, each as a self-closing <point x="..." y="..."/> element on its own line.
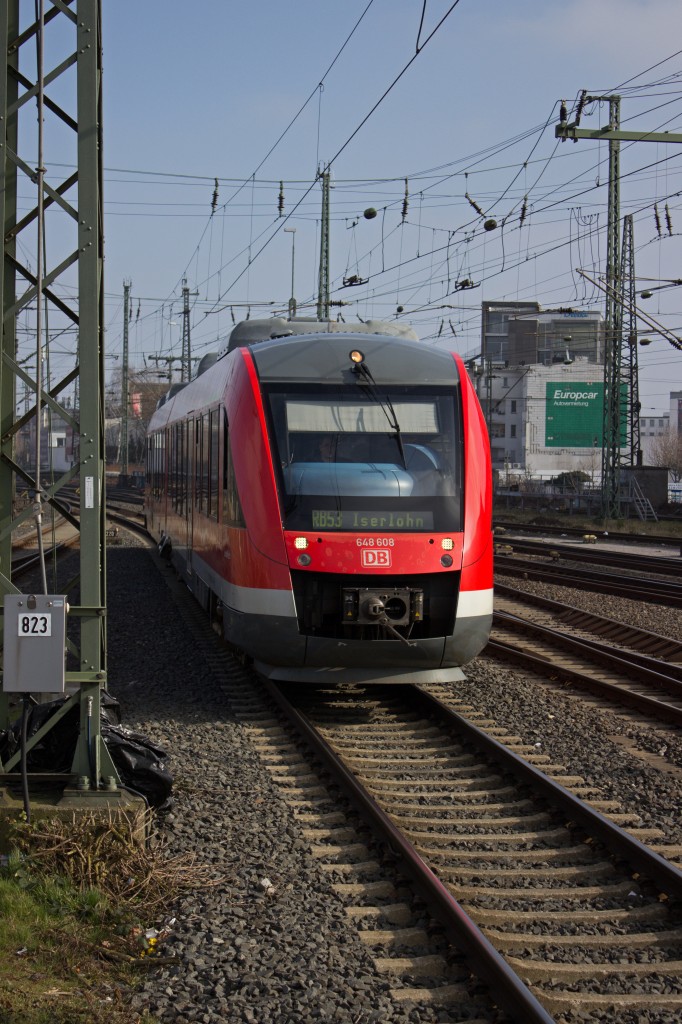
<point x="58" y="538"/>
<point x="583" y="622"/>
<point x="63" y="536"/>
<point x="594" y="554"/>
<point x="502" y="527"/>
<point x="637" y="588"/>
<point x="129" y="519"/>
<point x="540" y="891"/>
<point x="625" y="677"/>
<point x="530" y="879"/>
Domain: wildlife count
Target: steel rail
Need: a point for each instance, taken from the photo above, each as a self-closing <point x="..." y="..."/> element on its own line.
<point x="649" y="705"/>
<point x="485" y="959"/>
<point x="620" y="632"/>
<point x="657" y="565"/>
<point x="129" y="524"/>
<point x="640" y="667"/>
<point x="633" y="587"/>
<point x="25" y="563"/>
<point x="665" y="874"/>
<point x="580" y="531"/>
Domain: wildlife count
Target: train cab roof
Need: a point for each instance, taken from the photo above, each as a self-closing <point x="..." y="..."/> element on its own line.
<point x="313" y="350"/>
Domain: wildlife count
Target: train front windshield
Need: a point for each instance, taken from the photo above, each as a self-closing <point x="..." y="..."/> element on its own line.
<point x="381" y="462"/>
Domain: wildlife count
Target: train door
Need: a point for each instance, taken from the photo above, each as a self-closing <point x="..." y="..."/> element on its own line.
<point x="192" y="426"/>
<point x="184" y="478"/>
<point x="168" y="477"/>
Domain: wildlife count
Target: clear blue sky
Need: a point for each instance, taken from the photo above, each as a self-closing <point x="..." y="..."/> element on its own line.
<point x="198" y="91"/>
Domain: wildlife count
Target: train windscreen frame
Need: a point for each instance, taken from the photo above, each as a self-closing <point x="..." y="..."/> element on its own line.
<point x="380" y="462"/>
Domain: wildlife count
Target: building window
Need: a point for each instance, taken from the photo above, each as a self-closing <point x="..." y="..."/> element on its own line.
<point x="513" y="405"/>
<point x="512" y="430"/>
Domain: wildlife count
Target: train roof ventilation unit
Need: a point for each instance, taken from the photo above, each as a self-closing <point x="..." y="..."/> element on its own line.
<point x="248" y="332"/>
<point x="207" y="361"/>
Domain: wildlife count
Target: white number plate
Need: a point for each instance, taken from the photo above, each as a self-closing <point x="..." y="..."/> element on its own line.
<point x="35" y="624"/>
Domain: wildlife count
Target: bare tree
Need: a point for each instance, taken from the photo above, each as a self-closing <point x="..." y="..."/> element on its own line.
<point x="666" y="451"/>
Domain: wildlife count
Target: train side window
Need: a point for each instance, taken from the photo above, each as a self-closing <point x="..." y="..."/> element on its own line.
<point x="180" y="457"/>
<point x="197" y="462"/>
<point x="170" y="466"/>
<point x="162" y="463"/>
<point x="189" y="456"/>
<point x="214" y="470"/>
<point x="148" y="466"/>
<point x="182" y="484"/>
<point x="206" y="454"/>
<point x="159" y="440"/>
<point x="232" y="509"/>
<point x="178" y="467"/>
<point x="163" y="479"/>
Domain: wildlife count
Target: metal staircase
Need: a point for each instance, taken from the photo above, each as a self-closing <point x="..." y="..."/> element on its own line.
<point x="637" y="498"/>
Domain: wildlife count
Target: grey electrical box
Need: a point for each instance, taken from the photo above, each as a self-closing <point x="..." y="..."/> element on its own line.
<point x="35" y="639"/>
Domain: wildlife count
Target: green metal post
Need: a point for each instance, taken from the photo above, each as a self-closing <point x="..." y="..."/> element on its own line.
<point x="9" y="27"/>
<point x="95" y="760"/>
<point x="631" y="367"/>
<point x="82" y="221"/>
<point x="613" y="331"/>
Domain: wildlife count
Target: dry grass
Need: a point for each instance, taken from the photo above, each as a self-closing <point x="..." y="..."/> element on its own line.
<point x="106" y="854"/>
<point x="76" y="898"/>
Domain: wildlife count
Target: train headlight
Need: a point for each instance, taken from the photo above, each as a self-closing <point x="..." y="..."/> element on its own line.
<point x="304" y="559"/>
<point x="447" y="544"/>
<point x="356" y="356"/>
<point x="446" y="561"/>
<point x="300" y="543"/>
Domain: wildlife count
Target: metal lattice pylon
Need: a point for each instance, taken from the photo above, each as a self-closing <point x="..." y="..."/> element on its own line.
<point x="69" y="288"/>
<point x="630" y="366"/>
<point x="323" y="298"/>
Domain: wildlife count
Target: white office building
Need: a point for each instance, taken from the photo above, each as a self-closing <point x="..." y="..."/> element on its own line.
<point x="544" y="420"/>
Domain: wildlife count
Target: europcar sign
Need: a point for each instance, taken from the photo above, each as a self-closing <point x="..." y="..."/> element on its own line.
<point x="574" y="414"/>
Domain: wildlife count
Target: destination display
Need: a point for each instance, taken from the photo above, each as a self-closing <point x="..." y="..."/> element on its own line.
<point x="333" y="519"/>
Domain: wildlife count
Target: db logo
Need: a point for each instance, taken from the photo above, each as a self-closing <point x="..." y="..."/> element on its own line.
<point x="374" y="559"/>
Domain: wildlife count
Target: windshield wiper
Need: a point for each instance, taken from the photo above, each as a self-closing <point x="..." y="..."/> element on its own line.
<point x="385" y="403"/>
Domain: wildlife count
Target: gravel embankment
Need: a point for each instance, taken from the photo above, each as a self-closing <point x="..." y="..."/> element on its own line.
<point x="291" y="955"/>
<point x="244" y="955"/>
<point x="639" y="765"/>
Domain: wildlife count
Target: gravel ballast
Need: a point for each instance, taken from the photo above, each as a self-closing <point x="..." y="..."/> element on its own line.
<point x="289" y="953"/>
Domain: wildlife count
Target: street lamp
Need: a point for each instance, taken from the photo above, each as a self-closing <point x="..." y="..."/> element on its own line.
<point x="292" y="300"/>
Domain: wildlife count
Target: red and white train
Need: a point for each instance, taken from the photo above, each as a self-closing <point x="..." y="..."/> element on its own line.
<point x="325" y="491"/>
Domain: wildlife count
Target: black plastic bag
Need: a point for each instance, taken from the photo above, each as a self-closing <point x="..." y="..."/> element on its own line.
<point x="139" y="764"/>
